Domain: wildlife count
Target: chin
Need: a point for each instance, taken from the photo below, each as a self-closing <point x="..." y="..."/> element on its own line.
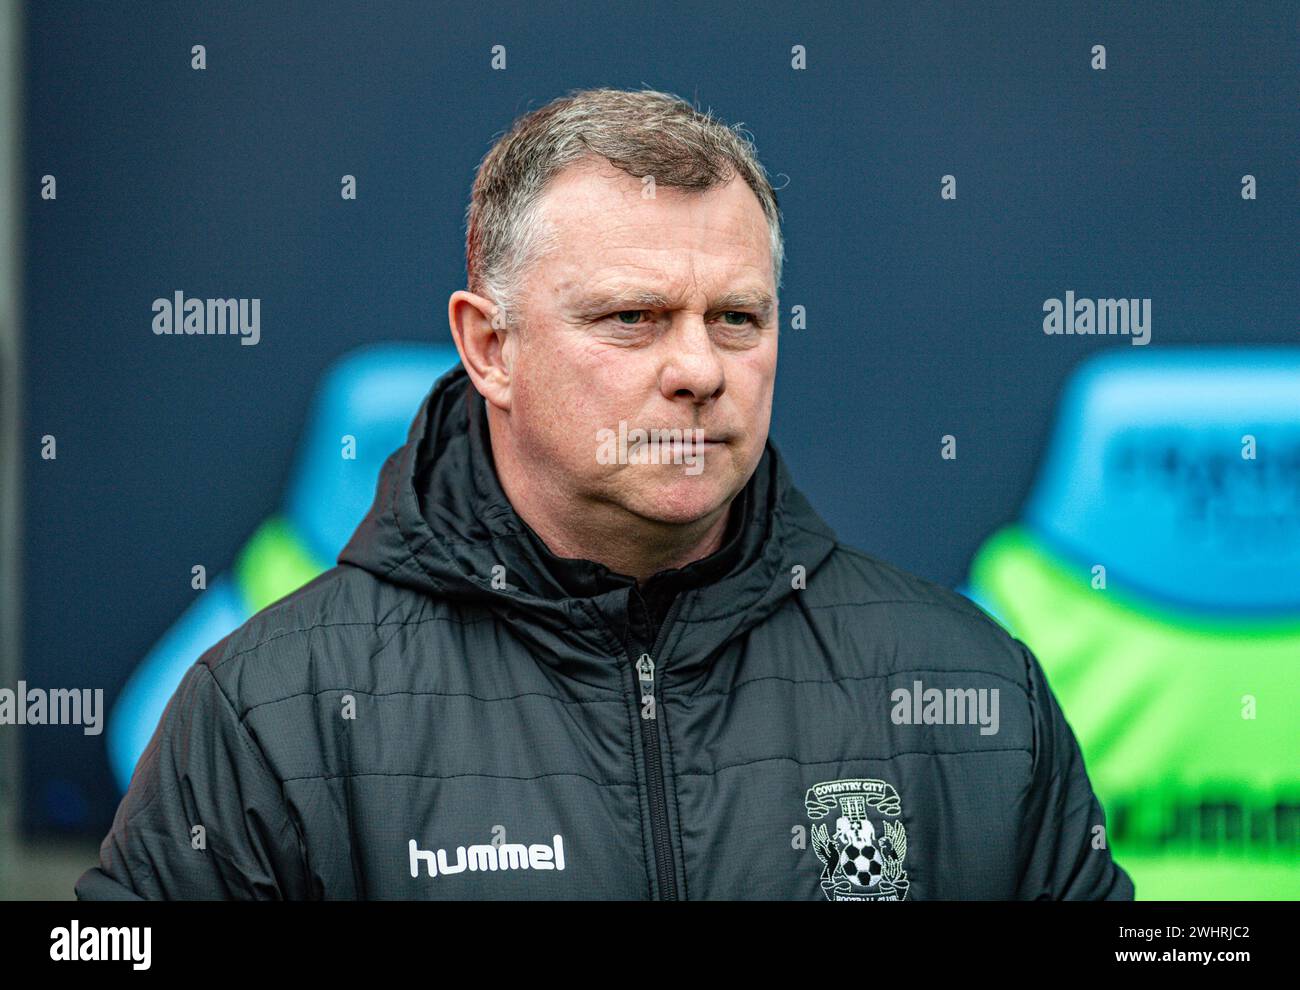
<point x="681" y="500"/>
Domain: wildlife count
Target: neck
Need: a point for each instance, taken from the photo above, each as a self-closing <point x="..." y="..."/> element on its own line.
<point x="603" y="531"/>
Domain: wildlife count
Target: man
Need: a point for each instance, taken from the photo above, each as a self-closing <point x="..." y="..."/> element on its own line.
<point x="590" y="642"/>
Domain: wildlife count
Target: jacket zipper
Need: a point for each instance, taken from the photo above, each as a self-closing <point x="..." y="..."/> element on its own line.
<point x="643" y="672"/>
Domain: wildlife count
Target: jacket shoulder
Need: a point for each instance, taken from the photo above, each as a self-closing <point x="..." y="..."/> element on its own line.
<point x="299" y="640"/>
<point x="924" y="619"/>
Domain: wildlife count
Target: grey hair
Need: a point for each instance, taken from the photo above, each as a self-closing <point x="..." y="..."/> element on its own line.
<point x="641" y="133"/>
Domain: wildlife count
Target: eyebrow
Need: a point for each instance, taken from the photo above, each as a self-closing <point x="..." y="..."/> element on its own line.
<point x="615" y="300"/>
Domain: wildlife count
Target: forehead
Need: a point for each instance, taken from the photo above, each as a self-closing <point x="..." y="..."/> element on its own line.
<point x="607" y="229"/>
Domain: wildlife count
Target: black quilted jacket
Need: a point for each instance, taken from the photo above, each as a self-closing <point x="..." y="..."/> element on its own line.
<point x="453" y="712"/>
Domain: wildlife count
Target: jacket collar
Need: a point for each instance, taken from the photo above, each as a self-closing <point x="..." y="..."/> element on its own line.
<point x="586" y="578"/>
<point x="442" y="525"/>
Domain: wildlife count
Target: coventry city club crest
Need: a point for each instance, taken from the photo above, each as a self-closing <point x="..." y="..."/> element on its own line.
<point x="862" y="860"/>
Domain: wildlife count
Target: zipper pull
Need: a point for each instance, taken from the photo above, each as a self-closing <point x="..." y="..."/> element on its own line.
<point x="645" y="671"/>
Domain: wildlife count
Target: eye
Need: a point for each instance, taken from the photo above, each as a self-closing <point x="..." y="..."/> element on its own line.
<point x="634" y="313"/>
<point x="743" y="317"/>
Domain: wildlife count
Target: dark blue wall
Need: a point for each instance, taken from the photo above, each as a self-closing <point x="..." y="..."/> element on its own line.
<point x="925" y="315"/>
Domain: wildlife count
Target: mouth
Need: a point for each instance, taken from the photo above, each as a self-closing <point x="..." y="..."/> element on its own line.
<point x="689" y="443"/>
<point x="680" y="435"/>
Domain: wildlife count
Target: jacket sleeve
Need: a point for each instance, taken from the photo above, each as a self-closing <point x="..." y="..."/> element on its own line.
<point x="1062" y="814"/>
<point x="204" y="817"/>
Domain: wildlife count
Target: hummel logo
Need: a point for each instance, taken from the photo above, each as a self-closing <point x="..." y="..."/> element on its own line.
<point x="507" y="856"/>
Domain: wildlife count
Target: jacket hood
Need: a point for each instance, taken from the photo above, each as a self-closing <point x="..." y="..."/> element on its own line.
<point x="441" y="524"/>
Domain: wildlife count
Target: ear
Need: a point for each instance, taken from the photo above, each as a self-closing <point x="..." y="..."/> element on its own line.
<point x="482" y="345"/>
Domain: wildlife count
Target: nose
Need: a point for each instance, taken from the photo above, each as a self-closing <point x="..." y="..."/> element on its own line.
<point x="692" y="369"/>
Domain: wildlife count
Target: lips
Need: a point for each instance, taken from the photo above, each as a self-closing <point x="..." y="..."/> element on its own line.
<point x="690" y="443"/>
<point x="677" y="444"/>
<point x="677" y="435"/>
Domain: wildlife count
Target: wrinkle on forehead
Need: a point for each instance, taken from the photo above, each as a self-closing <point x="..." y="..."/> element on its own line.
<point x="695" y="224"/>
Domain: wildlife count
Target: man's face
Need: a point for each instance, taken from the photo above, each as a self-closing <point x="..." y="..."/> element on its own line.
<point x="655" y="313"/>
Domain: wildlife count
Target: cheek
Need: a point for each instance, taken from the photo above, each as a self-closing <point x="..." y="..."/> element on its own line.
<point x="754" y="379"/>
<point x="557" y="403"/>
<point x="755" y="401"/>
